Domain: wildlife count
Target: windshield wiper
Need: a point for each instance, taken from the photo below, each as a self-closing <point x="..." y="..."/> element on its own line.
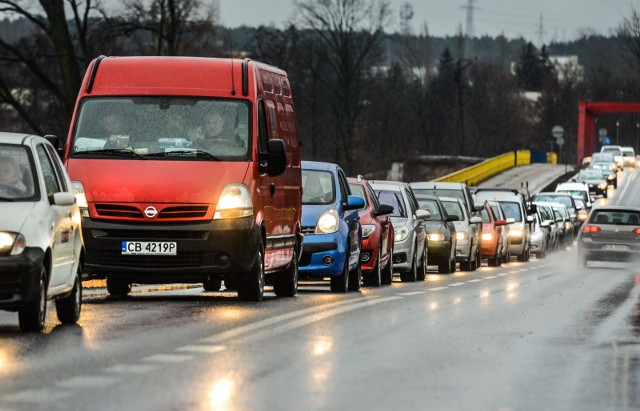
<point x="185" y="153"/>
<point x="123" y="152"/>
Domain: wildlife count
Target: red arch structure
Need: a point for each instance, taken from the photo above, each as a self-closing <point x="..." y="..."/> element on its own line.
<point x="586" y="122"/>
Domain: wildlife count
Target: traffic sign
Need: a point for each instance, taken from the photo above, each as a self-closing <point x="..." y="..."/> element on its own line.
<point x="557" y="132"/>
<point x="560" y="141"/>
<point x="602" y="132"/>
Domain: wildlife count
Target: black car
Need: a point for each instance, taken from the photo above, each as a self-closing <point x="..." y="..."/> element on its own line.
<point x="441" y="234"/>
<point x="595" y="180"/>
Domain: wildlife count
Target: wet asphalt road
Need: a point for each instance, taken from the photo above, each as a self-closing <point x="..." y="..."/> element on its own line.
<point x="542" y="335"/>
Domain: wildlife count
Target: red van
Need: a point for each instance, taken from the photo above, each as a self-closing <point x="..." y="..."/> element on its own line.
<point x="187" y="170"/>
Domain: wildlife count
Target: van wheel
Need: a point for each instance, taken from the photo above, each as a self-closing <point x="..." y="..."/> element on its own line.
<point x="387" y="272"/>
<point x="251" y="284"/>
<point x="68" y="308"/>
<point x="213" y="284"/>
<point x="31" y="316"/>
<point x="355" y="278"/>
<point x="340" y="284"/>
<point x="286" y="282"/>
<point x="117" y="288"/>
<point x="374" y="277"/>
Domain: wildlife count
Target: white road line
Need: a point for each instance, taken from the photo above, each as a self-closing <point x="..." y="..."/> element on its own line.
<point x="413" y="293"/>
<point x="438" y="288"/>
<point x="270" y="321"/>
<point x="168" y="358"/>
<point x="503" y="274"/>
<point x="204" y="349"/>
<point x="522" y="269"/>
<point x="87" y="381"/>
<point x="491" y="277"/>
<point x="512" y="272"/>
<point x="270" y="332"/>
<point x="128" y="369"/>
<point x="43" y="395"/>
<point x="456" y="284"/>
<point x="476" y="280"/>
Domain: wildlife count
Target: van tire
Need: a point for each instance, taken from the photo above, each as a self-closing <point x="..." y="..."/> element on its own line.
<point x="68" y="308"/>
<point x="286" y="282"/>
<point x="251" y="284"/>
<point x="31" y="316"/>
<point x="213" y="284"/>
<point x="118" y="288"/>
<point x="340" y="284"/>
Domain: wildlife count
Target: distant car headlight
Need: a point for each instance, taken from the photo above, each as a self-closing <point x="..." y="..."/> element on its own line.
<point x="567" y="225"/>
<point x="602" y="185"/>
<point x="435" y="237"/>
<point x="515" y="233"/>
<point x="487" y="236"/>
<point x="582" y="215"/>
<point x="401" y="233"/>
<point x="328" y="222"/>
<point x="81" y="198"/>
<point x="611" y="177"/>
<point x="367" y="230"/>
<point x="234" y="202"/>
<point x="12" y="243"/>
<point x="461" y="235"/>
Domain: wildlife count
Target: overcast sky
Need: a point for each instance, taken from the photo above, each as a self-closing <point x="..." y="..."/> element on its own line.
<point x="562" y="19"/>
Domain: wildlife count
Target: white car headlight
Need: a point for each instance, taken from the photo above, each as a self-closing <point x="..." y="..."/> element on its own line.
<point x="461" y="235"/>
<point x="435" y="237"/>
<point x="11" y="243"/>
<point x="328" y="222"/>
<point x="401" y="233"/>
<point x="515" y="232"/>
<point x="81" y="198"/>
<point x="367" y="230"/>
<point x="602" y="186"/>
<point x="235" y="202"/>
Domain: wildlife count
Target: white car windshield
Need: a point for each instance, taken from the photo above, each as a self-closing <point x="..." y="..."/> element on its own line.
<point x="16" y="173"/>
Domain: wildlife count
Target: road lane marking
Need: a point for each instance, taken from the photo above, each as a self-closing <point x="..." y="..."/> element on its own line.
<point x="43" y="395"/>
<point x="477" y="280"/>
<point x="131" y="369"/>
<point x="438" y="288"/>
<point x="216" y="338"/>
<point x="522" y="269"/>
<point x="301" y="322"/>
<point x="456" y="284"/>
<point x="491" y="277"/>
<point x="503" y="274"/>
<point x="203" y="349"/>
<point x="168" y="358"/>
<point x="413" y="293"/>
<point x="87" y="381"/>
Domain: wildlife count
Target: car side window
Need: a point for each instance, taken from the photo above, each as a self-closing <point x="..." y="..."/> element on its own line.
<point x="263" y="130"/>
<point x="52" y="185"/>
<point x="344" y="187"/>
<point x="413" y="203"/>
<point x="58" y="167"/>
<point x="373" y="197"/>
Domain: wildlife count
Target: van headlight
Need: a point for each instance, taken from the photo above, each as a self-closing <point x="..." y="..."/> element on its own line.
<point x="234" y="202"/>
<point x="367" y="230"/>
<point x="81" y="198"/>
<point x="328" y="222"/>
<point x="12" y="243"/>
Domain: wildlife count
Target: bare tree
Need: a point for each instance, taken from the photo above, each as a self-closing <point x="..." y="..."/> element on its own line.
<point x="351" y="31"/>
<point x="630" y="34"/>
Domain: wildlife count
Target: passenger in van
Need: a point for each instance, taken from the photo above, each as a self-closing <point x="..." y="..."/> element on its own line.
<point x="216" y="130"/>
<point x="10" y="175"/>
<point x="115" y="131"/>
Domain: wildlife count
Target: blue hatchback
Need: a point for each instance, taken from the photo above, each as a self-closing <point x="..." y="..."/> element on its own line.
<point x="331" y="227"/>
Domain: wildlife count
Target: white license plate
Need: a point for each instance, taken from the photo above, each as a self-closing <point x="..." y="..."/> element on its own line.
<point x="615" y="247"/>
<point x="149" y="248"/>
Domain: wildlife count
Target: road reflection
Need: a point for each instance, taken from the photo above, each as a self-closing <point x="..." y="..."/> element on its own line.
<point x="625" y="387"/>
<point x="220" y="394"/>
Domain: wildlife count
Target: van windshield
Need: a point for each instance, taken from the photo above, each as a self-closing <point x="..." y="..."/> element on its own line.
<point x="153" y="127"/>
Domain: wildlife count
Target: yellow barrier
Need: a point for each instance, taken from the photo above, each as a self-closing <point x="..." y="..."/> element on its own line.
<point x="552" y="158"/>
<point x="479" y="172"/>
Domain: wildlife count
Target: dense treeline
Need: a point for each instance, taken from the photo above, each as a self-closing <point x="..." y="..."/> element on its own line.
<point x="365" y="97"/>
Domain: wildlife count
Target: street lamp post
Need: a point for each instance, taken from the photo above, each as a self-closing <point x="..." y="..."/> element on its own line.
<point x="617" y="133"/>
<point x="637" y="133"/>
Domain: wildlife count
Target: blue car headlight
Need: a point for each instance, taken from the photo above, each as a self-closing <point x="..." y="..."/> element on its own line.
<point x="328" y="222"/>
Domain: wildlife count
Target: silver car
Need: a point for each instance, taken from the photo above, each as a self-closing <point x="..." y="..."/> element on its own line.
<point x="539" y="236"/>
<point x="467" y="233"/>
<point x="410" y="243"/>
<point x="553" y="227"/>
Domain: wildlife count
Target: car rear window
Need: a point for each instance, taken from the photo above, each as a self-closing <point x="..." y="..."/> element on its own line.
<point x="617" y="217"/>
<point x="565" y="200"/>
<point x="511" y="210"/>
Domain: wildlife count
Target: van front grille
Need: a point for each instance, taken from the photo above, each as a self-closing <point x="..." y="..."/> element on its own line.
<point x="115" y="210"/>
<point x="184" y="212"/>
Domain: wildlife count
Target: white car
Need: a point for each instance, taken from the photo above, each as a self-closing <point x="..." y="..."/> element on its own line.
<point x="617" y="154"/>
<point x="629" y="156"/>
<point x="41" y="247"/>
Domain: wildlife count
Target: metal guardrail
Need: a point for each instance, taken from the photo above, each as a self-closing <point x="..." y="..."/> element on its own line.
<point x="479" y="172"/>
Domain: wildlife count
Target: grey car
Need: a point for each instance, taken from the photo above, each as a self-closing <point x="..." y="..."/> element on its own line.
<point x="467" y="233"/>
<point x="410" y="243"/>
<point x="612" y="233"/>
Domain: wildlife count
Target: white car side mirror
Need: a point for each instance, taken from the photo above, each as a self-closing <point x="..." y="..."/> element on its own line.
<point x="64" y="199"/>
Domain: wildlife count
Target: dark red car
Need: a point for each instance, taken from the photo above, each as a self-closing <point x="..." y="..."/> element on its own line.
<point x="377" y="235"/>
<point x="493" y="237"/>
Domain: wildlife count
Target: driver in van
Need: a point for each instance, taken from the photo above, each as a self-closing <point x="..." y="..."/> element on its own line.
<point x="10" y="174"/>
<point x="216" y="129"/>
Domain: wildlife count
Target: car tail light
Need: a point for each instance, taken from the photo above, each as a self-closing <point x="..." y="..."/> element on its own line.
<point x="591" y="229"/>
<point x="636" y="230"/>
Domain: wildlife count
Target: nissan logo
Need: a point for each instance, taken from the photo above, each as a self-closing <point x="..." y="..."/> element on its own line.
<point x="150" y="212"/>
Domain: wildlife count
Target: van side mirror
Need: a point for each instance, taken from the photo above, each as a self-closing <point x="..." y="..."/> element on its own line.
<point x="384" y="209"/>
<point x="274" y="161"/>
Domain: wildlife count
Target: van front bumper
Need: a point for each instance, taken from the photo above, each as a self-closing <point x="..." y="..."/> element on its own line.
<point x="203" y="249"/>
